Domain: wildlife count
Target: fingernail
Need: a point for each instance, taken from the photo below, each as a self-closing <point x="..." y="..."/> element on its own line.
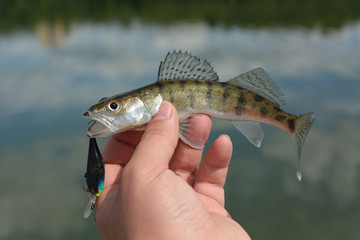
<point x="225" y="135"/>
<point x="164" y="111"/>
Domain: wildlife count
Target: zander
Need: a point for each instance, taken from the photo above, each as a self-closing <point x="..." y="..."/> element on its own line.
<point x="193" y="87"/>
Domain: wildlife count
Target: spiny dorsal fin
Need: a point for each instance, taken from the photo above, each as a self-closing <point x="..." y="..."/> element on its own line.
<point x="259" y="82"/>
<point x="178" y="65"/>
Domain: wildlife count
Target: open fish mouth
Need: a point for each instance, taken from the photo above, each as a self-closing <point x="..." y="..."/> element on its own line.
<point x="99" y="127"/>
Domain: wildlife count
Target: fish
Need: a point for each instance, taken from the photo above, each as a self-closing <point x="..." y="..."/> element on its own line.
<point x="95" y="175"/>
<point x="193" y="87"/>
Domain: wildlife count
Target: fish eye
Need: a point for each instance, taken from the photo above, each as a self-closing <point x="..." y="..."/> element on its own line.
<point x="113" y="105"/>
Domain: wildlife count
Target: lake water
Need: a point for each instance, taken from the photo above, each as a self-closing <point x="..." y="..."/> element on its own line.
<point x="51" y="74"/>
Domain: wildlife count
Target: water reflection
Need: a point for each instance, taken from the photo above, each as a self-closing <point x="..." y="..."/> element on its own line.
<point x="120" y="58"/>
<point x="51" y="35"/>
<point x="53" y="75"/>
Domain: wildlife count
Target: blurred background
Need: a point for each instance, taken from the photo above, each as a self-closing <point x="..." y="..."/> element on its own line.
<point x="57" y="58"/>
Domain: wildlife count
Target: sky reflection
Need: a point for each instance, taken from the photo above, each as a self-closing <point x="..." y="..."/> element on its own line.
<point x="121" y="58"/>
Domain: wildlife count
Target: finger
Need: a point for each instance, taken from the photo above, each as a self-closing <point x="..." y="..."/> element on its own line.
<point x="112" y="174"/>
<point x="211" y="177"/>
<point x="186" y="160"/>
<point x="158" y="142"/>
<point x="117" y="153"/>
<point x="121" y="146"/>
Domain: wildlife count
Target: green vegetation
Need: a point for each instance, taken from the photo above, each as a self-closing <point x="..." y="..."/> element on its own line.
<point x="246" y="13"/>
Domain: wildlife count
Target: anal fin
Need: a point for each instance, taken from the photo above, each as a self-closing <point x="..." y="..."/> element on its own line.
<point x="251" y="130"/>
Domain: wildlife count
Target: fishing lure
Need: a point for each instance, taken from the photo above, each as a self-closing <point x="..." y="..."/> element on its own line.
<point x="95" y="174"/>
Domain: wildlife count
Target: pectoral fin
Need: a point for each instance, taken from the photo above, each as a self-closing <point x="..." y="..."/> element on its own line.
<point x="186" y="134"/>
<point x="252" y="131"/>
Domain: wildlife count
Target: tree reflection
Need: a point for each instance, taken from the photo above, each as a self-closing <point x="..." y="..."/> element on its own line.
<point x="327" y="14"/>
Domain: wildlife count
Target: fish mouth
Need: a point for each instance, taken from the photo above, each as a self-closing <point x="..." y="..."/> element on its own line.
<point x="100" y="127"/>
<point x="97" y="129"/>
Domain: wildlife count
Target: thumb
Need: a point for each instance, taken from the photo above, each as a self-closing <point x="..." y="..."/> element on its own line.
<point x="158" y="142"/>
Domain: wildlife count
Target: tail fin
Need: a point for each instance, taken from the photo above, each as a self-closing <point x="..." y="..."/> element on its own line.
<point x="302" y="127"/>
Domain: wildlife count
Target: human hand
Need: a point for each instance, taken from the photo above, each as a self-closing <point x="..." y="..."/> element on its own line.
<point x="155" y="189"/>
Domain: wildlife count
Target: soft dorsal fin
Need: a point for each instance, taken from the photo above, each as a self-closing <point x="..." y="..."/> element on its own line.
<point x="258" y="81"/>
<point x="178" y="65"/>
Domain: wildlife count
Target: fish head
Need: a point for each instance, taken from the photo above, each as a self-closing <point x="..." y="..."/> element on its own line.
<point x="121" y="113"/>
